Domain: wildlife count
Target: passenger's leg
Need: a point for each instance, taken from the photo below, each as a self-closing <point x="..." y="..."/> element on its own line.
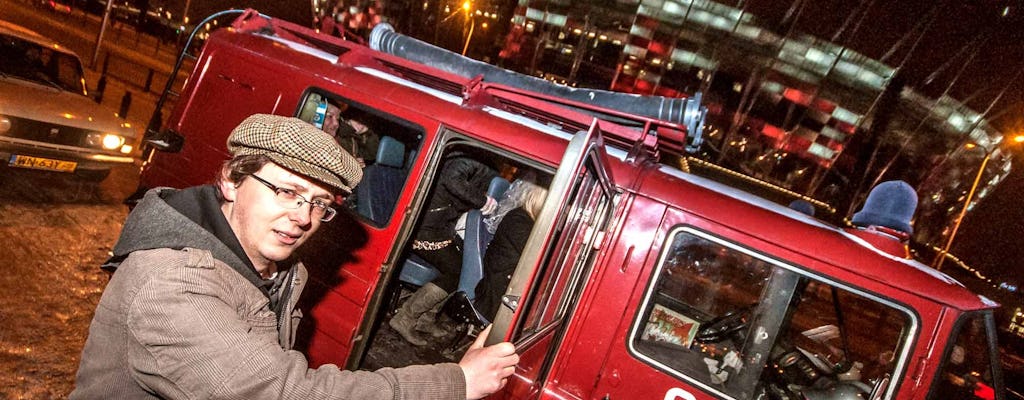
<point x="448" y="262"/>
<point x="421" y="301"/>
<point x="490" y="289"/>
<point x="431" y="295"/>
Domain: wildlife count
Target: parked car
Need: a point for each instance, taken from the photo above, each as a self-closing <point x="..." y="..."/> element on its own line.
<point x="59" y="6"/>
<point x="47" y="120"/>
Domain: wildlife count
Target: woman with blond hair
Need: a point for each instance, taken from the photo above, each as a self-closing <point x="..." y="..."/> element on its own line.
<point x="511" y="225"/>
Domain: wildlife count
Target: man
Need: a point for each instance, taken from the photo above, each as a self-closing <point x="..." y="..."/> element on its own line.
<point x="203" y="301"/>
<point x="354" y="137"/>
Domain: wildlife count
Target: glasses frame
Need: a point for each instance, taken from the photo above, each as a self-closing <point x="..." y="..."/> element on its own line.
<point x="329" y="212"/>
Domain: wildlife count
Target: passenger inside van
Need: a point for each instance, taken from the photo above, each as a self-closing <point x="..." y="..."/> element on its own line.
<point x="462" y="186"/>
<point x="511" y="225"/>
<point x="341" y="122"/>
<point x="355" y="136"/>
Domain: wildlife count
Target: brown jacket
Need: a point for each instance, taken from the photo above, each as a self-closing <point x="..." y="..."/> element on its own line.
<point x="182" y="324"/>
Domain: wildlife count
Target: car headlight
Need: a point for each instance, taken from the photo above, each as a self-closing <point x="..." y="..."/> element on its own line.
<point x="5" y="124"/>
<point x="107" y="141"/>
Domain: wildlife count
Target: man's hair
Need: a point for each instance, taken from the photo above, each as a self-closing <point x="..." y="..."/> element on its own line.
<point x="238" y="168"/>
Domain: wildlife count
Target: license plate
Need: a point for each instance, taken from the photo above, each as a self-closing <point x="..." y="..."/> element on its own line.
<point x="42" y="163"/>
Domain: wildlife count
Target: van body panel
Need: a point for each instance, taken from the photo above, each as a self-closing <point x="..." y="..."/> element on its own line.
<point x="620" y="236"/>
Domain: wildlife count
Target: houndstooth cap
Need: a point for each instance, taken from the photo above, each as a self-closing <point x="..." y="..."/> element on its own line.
<point x="298" y="146"/>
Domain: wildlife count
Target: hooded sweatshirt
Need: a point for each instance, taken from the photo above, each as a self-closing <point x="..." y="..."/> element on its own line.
<point x="186" y="316"/>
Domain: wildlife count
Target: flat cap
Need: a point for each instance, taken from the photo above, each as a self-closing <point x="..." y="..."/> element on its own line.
<point x="297" y="146"/>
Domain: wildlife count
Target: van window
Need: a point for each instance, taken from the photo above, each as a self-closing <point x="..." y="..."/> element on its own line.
<point x="384" y="146"/>
<point x="966" y="373"/>
<point x="741" y="324"/>
<point x="586" y="216"/>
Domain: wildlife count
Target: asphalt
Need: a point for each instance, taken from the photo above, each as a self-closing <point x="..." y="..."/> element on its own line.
<point x="56" y="230"/>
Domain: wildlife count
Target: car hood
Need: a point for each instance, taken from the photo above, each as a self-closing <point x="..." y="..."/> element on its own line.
<point x="24" y="99"/>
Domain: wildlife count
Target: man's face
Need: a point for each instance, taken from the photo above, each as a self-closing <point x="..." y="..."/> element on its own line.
<point x="268" y="231"/>
<point x="331" y="120"/>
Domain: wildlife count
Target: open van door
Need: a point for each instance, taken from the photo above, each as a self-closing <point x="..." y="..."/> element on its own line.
<point x="556" y="261"/>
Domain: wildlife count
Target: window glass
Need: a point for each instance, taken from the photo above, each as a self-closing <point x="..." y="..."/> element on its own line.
<point x="384" y="146"/>
<point x="68" y="72"/>
<point x="43" y="65"/>
<point x="967" y="371"/>
<point x="587" y="214"/>
<point x="740" y="324"/>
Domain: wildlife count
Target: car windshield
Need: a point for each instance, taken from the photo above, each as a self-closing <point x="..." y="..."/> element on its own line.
<point x="30" y="61"/>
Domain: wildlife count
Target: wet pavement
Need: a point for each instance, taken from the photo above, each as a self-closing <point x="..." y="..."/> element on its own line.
<point x="55" y="231"/>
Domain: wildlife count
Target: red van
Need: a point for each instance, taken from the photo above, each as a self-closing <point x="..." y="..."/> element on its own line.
<point x="639" y="280"/>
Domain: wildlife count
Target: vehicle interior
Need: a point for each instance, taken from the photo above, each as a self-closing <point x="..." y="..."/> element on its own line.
<point x="457" y="314"/>
<point x="374" y="200"/>
<point x="715" y="310"/>
<point x="385" y="173"/>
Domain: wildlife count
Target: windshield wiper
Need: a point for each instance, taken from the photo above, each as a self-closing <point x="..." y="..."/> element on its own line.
<point x="46" y="79"/>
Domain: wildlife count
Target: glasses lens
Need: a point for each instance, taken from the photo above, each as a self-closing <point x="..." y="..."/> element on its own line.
<point x="328" y="214"/>
<point x="289" y="199"/>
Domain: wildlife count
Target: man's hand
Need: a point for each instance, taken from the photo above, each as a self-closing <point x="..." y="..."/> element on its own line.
<point x="358" y="126"/>
<point x="487" y="368"/>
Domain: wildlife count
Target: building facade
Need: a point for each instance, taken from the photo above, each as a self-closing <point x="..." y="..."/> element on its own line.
<point x="788" y="109"/>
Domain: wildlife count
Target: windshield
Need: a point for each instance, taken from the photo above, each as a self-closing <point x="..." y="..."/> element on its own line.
<point x="30" y="61"/>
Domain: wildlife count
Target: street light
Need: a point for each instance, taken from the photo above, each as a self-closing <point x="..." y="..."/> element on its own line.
<point x="469" y="19"/>
<point x="941" y="257"/>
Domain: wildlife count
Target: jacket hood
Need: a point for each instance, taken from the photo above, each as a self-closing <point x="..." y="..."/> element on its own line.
<point x="155" y="224"/>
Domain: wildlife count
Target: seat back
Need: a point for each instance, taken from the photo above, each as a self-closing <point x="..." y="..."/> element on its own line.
<point x="476" y="241"/>
<point x="382" y="181"/>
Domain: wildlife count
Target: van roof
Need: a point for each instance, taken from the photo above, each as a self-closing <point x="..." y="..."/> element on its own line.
<point x="836" y="248"/>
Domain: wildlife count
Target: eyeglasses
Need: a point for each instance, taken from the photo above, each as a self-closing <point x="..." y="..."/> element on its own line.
<point x="291" y="200"/>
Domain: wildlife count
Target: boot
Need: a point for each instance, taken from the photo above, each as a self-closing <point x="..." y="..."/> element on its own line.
<point x="428" y="322"/>
<point x="421" y="301"/>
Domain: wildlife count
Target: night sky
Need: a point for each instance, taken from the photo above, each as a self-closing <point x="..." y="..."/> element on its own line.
<point x="991" y="236"/>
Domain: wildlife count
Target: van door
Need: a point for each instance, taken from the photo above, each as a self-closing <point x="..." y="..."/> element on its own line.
<point x="556" y="262"/>
<point x="717" y="314"/>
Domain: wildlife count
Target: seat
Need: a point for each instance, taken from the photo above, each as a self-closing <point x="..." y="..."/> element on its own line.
<point x="476" y="241"/>
<point x="417" y="272"/>
<point x="382" y="181"/>
<point x="459" y="305"/>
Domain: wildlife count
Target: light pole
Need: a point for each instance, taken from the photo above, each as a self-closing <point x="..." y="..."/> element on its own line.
<point x="941" y="257"/>
<point x="103" y="30"/>
<point x="466" y="5"/>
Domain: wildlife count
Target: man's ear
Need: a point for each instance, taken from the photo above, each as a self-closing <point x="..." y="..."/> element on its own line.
<point x="228" y="189"/>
